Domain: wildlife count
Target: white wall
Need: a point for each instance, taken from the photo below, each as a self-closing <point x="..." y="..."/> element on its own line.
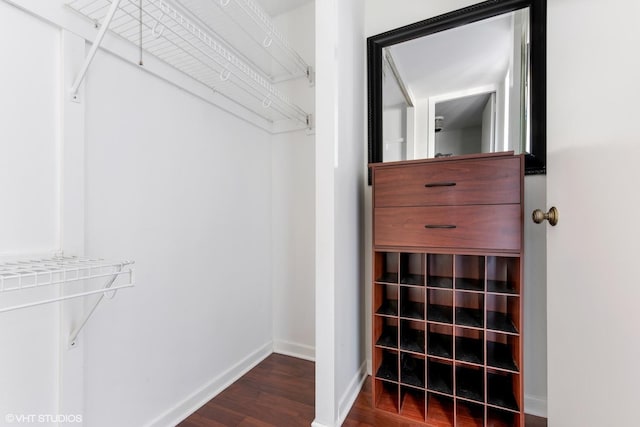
<point x="395" y="120"/>
<point x="29" y="217"/>
<point x="421" y="114"/>
<point x="459" y="141"/>
<point x="394" y="129"/>
<point x="185" y="190"/>
<point x="340" y="345"/>
<point x="29" y="171"/>
<point x="489" y="125"/>
<point x="381" y="16"/>
<point x="293" y="206"/>
<point x="515" y="81"/>
<point x="502" y="130"/>
<point x="348" y="209"/>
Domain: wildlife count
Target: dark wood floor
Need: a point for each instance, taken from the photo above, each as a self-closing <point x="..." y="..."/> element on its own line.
<point x="280" y="392"/>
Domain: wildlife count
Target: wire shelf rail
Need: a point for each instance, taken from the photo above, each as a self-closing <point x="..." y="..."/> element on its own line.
<point x="37" y="272"/>
<point x="168" y="33"/>
<point x="251" y="30"/>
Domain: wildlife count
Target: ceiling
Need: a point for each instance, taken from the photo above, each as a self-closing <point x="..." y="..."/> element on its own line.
<point x="461" y="58"/>
<point x="277" y="7"/>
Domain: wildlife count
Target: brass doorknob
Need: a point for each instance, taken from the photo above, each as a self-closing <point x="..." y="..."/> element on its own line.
<point x="551" y="216"/>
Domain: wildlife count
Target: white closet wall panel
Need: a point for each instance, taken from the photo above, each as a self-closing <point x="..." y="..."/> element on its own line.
<point x="29" y="218"/>
<point x="293" y="171"/>
<point x="349" y="181"/>
<point x="340" y="175"/>
<point x="185" y="190"/>
<point x="29" y="133"/>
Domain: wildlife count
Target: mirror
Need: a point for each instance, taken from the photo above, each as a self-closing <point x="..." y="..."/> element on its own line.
<point x="470" y="81"/>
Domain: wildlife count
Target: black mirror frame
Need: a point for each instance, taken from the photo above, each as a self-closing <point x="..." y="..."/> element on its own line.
<point x="535" y="162"/>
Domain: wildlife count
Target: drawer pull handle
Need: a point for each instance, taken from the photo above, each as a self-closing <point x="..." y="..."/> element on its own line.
<point x="439" y="226"/>
<point x="440" y="184"/>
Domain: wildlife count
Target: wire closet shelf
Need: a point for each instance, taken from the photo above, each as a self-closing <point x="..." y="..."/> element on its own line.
<point x="37" y="272"/>
<point x="202" y="38"/>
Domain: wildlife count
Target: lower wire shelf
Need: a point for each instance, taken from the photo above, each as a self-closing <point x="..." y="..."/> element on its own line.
<point x="21" y="274"/>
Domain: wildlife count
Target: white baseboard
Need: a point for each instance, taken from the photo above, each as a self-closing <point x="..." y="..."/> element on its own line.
<point x="348" y="397"/>
<point x="535" y="405"/>
<point x="301" y="351"/>
<point x="351" y="393"/>
<point x="197" y="399"/>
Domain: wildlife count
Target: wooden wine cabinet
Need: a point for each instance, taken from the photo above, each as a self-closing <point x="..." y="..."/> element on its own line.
<point x="447" y="290"/>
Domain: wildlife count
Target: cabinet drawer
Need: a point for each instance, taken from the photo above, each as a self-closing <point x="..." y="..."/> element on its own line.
<point x="471" y="227"/>
<point x="494" y="181"/>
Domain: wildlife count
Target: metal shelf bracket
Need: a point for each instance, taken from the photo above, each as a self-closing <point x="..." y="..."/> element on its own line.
<point x="106" y="290"/>
<point x="92" y="52"/>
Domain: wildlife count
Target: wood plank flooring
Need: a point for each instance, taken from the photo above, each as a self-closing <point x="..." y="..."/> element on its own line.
<point x="280" y="392"/>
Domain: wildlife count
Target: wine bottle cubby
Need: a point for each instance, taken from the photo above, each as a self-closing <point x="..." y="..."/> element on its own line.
<point x="447" y="317"/>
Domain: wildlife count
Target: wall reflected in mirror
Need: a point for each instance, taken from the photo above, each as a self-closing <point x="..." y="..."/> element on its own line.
<point x="464" y="90"/>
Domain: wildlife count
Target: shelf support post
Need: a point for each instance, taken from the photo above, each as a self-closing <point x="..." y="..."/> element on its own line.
<point x="94" y="48"/>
